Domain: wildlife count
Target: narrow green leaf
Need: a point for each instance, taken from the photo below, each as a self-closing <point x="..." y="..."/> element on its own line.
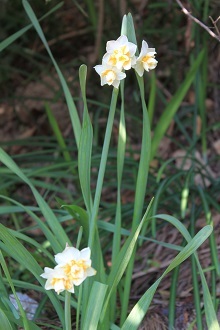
<point x="95" y="304"/>
<point x="122" y="261"/>
<point x="18" y="252"/>
<point x="174" y="104"/>
<point x="5" y="324"/>
<point x="81" y="216"/>
<point x="8" y="41"/>
<point x="57" y="133"/>
<point x="45" y="209"/>
<point x="139" y="310"/>
<point x="85" y="145"/>
<point x="48" y="234"/>
<point x="7" y="274"/>
<point x="71" y="106"/>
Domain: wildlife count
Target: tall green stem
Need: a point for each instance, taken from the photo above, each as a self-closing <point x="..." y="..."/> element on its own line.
<point x="67" y="311"/>
<point x="93" y="220"/>
<point x="139" y="192"/>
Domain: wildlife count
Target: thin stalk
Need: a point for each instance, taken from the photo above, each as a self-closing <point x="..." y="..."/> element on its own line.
<point x="93" y="230"/>
<point x="79" y="306"/>
<point x="202" y="97"/>
<point x="139" y="193"/>
<point x="214" y="288"/>
<point x="67" y="311"/>
<point x="196" y="293"/>
<point x="120" y="165"/>
<point x="152" y="97"/>
<point x="93" y="220"/>
<point x="172" y="302"/>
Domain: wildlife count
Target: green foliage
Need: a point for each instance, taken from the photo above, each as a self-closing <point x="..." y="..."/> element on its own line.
<point x="102" y="302"/>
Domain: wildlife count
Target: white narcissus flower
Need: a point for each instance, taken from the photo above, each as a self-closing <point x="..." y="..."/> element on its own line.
<point x="120" y="53"/>
<point x="75" y="264"/>
<point x="73" y="267"/>
<point x="146" y="60"/>
<point x="109" y="74"/>
<point x="57" y="280"/>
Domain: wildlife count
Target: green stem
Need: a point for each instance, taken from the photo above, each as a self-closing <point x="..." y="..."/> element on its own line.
<point x="172" y="302"/>
<point x="79" y="306"/>
<point x="139" y="193"/>
<point x="152" y="97"/>
<point x="67" y="311"/>
<point x="120" y="164"/>
<point x="102" y="167"/>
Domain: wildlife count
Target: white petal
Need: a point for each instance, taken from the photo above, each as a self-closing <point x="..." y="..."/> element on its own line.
<point x="90" y="271"/>
<point x="139" y="69"/>
<point x="70" y="253"/>
<point x="98" y="69"/>
<point x="121" y="75"/>
<point x="122" y="40"/>
<point x="116" y="83"/>
<point x="103" y="80"/>
<point x="151" y="51"/>
<point x="146" y="66"/>
<point x="132" y="48"/>
<point x="59" y="286"/>
<point x="144" y="47"/>
<point x="78" y="281"/>
<point x="110" y="46"/>
<point x="105" y="58"/>
<point x="48" y="285"/>
<point x="71" y="290"/>
<point x="127" y="66"/>
<point x="133" y="61"/>
<point x="47" y="272"/>
<point x="85" y="253"/>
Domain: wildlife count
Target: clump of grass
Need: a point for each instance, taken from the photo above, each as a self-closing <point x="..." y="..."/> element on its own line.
<point x="102" y="302"/>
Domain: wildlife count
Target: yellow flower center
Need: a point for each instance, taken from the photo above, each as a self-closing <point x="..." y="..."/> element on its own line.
<point x="75" y="269"/>
<point x="110" y="76"/>
<point x="146" y="58"/>
<point x="121" y="55"/>
<point x="66" y="282"/>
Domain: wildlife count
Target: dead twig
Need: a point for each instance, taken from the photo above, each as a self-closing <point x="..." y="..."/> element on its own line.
<point x="187" y="13"/>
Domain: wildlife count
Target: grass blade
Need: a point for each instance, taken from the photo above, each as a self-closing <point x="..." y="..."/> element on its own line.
<point x="139" y="310"/>
<point x="71" y="106"/>
<point x="45" y="209"/>
<point x="173" y="105"/>
<point x="8" y="41"/>
<point x="95" y="304"/>
<point x="85" y="145"/>
<point x="18" y="252"/>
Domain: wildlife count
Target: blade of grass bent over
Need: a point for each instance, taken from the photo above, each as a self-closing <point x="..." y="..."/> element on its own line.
<point x="50" y="217"/>
<point x="8" y="41"/>
<point x="18" y="252"/>
<point x="123" y="260"/>
<point x="71" y="106"/>
<point x="139" y="310"/>
<point x="208" y="304"/>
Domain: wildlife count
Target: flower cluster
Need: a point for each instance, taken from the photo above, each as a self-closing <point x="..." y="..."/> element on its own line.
<point x="120" y="56"/>
<point x="73" y="267"/>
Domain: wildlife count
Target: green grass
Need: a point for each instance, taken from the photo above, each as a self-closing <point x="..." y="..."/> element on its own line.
<point x="100" y="163"/>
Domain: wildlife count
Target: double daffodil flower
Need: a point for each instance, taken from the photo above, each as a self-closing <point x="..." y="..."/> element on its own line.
<point x="120" y="56"/>
<point x="73" y="267"/>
